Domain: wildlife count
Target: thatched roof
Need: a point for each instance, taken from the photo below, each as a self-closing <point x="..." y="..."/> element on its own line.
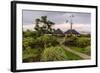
<point x="58" y="31"/>
<point x="73" y="31"/>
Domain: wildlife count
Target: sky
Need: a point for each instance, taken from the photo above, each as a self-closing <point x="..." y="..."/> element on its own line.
<point x="81" y="21"/>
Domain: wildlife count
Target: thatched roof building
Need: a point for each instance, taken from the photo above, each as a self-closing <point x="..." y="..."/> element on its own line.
<point x="58" y="31"/>
<point x="72" y="31"/>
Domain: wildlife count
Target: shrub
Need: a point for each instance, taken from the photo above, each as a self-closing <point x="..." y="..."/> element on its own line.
<point x="53" y="54"/>
<point x="27" y="42"/>
<point x="40" y="42"/>
<point x="47" y="41"/>
<point x="77" y="41"/>
<point x="83" y="42"/>
<point x="28" y="33"/>
<point x="31" y="55"/>
<point x="70" y="41"/>
<point x="31" y="42"/>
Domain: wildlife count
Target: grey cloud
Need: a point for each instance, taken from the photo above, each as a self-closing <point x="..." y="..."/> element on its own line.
<point x="29" y="17"/>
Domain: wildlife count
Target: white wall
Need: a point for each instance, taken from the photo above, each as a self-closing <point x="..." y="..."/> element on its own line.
<point x="5" y="36"/>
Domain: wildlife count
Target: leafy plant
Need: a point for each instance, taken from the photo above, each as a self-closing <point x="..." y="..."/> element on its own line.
<point x="27" y="42"/>
<point x="76" y="41"/>
<point x="31" y="42"/>
<point x="29" y="33"/>
<point x="54" y="54"/>
<point x="31" y="55"/>
<point x="70" y="41"/>
<point x="83" y="42"/>
<point x="47" y="41"/>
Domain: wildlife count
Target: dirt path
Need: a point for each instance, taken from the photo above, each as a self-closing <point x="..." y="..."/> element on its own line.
<point x="84" y="56"/>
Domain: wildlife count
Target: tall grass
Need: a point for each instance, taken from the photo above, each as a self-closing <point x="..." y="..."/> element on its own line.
<point x="31" y="55"/>
<point x="54" y="54"/>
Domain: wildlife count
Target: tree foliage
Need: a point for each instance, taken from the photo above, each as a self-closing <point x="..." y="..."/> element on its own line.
<point x="77" y="41"/>
<point x="48" y="40"/>
<point x="29" y="33"/>
<point x="43" y="25"/>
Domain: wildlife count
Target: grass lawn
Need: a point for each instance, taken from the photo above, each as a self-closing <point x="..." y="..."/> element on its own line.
<point x="85" y="50"/>
<point x="82" y="37"/>
<point x="72" y="56"/>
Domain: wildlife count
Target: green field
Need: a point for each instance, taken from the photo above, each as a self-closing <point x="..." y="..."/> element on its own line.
<point x="48" y="54"/>
<point x="72" y="56"/>
<point x="48" y="47"/>
<point x="86" y="50"/>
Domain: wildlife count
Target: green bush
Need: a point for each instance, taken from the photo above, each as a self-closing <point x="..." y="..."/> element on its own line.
<point x="83" y="42"/>
<point x="32" y="43"/>
<point x="28" y="33"/>
<point x="47" y="41"/>
<point x="27" y="42"/>
<point x="77" y="41"/>
<point x="53" y="54"/>
<point x="31" y="55"/>
<point x="70" y="41"/>
<point x="40" y="42"/>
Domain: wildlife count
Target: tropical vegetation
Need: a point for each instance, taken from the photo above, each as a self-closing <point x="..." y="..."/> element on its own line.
<point x="42" y="45"/>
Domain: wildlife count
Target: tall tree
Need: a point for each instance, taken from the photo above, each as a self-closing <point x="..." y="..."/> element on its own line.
<point x="43" y="25"/>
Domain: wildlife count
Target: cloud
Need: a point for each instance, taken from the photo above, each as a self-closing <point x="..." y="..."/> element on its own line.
<point x="28" y="27"/>
<point x="64" y="27"/>
<point x="29" y="16"/>
<point x="78" y="27"/>
<point x="82" y="27"/>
